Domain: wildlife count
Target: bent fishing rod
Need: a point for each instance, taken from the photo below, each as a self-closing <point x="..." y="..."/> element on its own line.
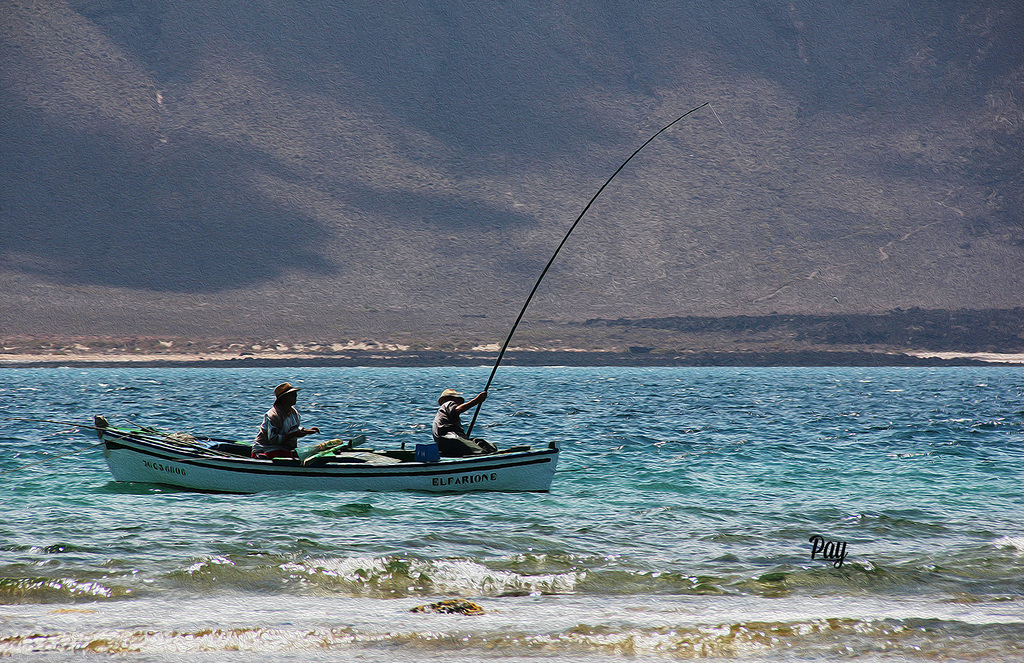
<point x="536" y="285"/>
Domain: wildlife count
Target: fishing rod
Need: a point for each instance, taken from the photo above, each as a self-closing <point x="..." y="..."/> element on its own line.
<point x="536" y="285"/>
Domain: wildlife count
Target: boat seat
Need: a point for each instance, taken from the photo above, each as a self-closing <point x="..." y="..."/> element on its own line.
<point x="233" y="448"/>
<point x="361" y="457"/>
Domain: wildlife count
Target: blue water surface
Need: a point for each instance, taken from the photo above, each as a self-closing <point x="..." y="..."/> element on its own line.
<point x="704" y="482"/>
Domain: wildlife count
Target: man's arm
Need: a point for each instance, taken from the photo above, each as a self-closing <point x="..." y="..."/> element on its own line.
<point x="301" y="432"/>
<point x="289" y="438"/>
<point x="476" y="400"/>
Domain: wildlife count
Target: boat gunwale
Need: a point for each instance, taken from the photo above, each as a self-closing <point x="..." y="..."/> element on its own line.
<point x="116" y="439"/>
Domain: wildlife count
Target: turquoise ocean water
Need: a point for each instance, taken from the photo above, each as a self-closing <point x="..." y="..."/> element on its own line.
<point x="677" y="526"/>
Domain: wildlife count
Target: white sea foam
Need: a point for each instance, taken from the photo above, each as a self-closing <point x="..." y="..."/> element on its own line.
<point x="206" y="562"/>
<point x="305" y="628"/>
<point x="460" y="577"/>
<point x="465" y="577"/>
<point x="1016" y="542"/>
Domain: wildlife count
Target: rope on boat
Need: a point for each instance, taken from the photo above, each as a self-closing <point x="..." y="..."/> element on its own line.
<point x="186" y="440"/>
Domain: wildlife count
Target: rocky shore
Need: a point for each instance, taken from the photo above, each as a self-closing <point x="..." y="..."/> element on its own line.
<point x="914" y="337"/>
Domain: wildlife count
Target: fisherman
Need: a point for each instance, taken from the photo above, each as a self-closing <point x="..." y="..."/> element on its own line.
<point x="280" y="429"/>
<point x="448" y="432"/>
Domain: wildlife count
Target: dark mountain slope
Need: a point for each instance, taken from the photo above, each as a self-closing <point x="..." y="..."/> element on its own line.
<point x="347" y="169"/>
<point x="917" y="329"/>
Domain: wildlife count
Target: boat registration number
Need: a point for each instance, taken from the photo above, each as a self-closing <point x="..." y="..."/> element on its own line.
<point x="464" y="479"/>
<point x="160" y="467"/>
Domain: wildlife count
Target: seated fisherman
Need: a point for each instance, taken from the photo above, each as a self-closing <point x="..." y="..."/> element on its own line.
<point x="448" y="432"/>
<point x="280" y="430"/>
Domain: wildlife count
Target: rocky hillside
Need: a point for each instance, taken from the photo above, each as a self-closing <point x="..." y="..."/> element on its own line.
<point x="341" y="170"/>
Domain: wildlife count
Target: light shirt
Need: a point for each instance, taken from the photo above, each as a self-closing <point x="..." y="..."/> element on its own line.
<point x="273" y="431"/>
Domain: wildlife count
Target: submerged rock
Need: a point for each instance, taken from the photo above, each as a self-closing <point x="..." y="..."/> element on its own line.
<point x="449" y="606"/>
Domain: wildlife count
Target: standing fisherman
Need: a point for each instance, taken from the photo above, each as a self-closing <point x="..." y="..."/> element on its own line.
<point x="449" y="435"/>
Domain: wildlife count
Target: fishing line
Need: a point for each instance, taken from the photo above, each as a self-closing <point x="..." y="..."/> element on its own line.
<point x="145" y="433"/>
<point x="62" y="423"/>
<point x="536" y="285"/>
<point x="716" y="114"/>
<point x="47" y="460"/>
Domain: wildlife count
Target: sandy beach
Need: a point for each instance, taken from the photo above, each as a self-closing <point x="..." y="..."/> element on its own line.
<point x="989" y="357"/>
<point x="65" y="357"/>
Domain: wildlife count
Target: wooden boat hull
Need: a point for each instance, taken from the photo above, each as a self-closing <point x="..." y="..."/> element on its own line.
<point x="132" y="458"/>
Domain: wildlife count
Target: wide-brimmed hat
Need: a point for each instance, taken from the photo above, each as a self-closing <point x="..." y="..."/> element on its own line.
<point x="448" y="395"/>
<point x="284" y="388"/>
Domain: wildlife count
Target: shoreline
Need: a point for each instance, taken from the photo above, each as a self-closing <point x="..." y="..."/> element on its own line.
<point x="423" y="359"/>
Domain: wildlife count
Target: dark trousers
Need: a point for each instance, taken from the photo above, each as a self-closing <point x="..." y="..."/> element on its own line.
<point x="456" y="446"/>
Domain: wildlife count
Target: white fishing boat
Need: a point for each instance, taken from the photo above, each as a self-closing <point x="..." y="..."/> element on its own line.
<point x="217" y="465"/>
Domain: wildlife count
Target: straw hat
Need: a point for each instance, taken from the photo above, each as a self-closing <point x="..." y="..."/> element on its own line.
<point x="284" y="388"/>
<point x="448" y="395"/>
